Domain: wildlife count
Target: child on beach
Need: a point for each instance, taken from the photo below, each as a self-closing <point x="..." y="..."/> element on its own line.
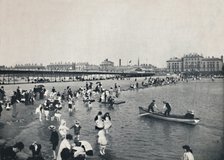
<point x="77" y="129"/>
<point x="46" y="110"/>
<point x="99" y="121"/>
<point x="71" y="105"/>
<point x="107" y="122"/>
<point x="39" y="110"/>
<point x="102" y="141"/>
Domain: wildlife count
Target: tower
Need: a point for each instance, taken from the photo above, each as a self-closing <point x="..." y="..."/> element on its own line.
<point x="119" y="62"/>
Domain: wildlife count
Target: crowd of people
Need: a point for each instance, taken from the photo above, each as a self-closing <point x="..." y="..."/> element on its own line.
<point x="66" y="146"/>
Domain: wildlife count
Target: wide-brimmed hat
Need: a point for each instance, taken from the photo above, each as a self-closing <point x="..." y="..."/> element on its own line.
<point x="186" y="147"/>
<point x="52" y="127"/>
<point x="76" y="122"/>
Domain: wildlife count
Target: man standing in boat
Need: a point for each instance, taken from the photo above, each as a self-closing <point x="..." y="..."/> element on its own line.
<point x="152" y="105"/>
<point x="167" y="107"/>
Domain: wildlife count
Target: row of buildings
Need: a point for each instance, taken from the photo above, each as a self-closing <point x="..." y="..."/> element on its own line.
<point x="194" y="62"/>
<point x="105" y="65"/>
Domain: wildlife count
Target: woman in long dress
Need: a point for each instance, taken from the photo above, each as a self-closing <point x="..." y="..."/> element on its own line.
<point x="63" y="129"/>
<point x="102" y="141"/>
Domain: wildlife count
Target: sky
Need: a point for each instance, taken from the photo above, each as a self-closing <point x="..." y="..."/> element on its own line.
<point x="46" y="31"/>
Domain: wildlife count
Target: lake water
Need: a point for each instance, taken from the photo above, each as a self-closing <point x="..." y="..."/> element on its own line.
<point x="140" y="138"/>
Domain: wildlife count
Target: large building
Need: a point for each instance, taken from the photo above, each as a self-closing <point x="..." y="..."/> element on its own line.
<point x="107" y="65"/>
<point x="195" y="62"/>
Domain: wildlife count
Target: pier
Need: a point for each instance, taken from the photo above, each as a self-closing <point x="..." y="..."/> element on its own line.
<point x="15" y="76"/>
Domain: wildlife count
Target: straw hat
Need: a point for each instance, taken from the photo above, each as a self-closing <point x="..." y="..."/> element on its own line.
<point x="186" y="147"/>
<point x="76" y="122"/>
<point x="52" y="127"/>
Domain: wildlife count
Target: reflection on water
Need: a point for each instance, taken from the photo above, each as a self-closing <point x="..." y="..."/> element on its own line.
<point x="132" y="137"/>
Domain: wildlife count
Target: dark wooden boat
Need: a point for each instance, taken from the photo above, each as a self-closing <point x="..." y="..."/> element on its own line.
<point x="172" y="117"/>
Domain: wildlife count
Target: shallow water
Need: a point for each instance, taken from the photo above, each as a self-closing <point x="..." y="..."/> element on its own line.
<point x="132" y="137"/>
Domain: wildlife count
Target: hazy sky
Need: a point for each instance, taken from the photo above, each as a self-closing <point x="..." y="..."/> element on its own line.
<point x="45" y="31"/>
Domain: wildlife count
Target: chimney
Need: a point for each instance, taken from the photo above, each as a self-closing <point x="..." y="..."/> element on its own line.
<point x="222" y="58"/>
<point x="119" y="62"/>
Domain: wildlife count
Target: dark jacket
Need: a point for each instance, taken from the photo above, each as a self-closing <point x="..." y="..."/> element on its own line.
<point x="54" y="137"/>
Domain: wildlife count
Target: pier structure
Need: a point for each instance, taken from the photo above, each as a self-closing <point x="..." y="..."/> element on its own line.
<point x="15" y="76"/>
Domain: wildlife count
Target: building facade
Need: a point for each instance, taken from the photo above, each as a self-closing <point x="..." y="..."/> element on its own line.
<point x="107" y="65"/>
<point x="195" y="63"/>
<point x="212" y="64"/>
<point x="175" y="65"/>
<point x="60" y="66"/>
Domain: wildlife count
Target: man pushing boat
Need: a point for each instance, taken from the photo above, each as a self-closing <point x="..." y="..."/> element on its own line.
<point x="167" y="107"/>
<point x="152" y="105"/>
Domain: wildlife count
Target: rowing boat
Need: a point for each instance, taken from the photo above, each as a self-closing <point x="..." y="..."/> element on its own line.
<point x="172" y="117"/>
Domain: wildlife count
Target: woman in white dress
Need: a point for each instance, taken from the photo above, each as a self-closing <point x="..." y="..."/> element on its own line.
<point x="102" y="141"/>
<point x="63" y="129"/>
